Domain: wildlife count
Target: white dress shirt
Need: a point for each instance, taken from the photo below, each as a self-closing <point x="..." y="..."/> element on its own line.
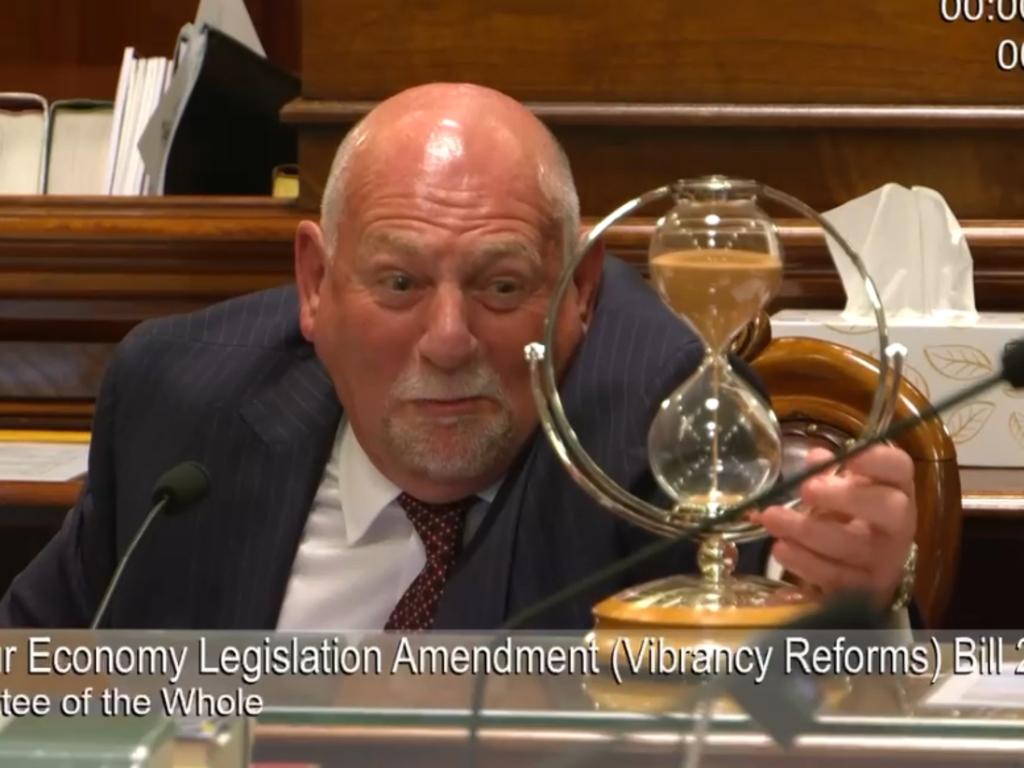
<point x="359" y="551"/>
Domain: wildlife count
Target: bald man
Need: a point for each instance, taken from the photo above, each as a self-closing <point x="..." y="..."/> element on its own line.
<point x="370" y="432"/>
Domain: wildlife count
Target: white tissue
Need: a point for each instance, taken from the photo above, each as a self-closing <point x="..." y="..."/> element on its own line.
<point x="914" y="250"/>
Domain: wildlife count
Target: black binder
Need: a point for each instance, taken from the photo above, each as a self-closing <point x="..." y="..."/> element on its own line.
<point x="229" y="136"/>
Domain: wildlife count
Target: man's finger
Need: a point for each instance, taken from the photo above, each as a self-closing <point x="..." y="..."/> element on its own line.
<point x="881" y="506"/>
<point x="887" y="465"/>
<point x="819" y="571"/>
<point x="818" y="456"/>
<point x="845" y="542"/>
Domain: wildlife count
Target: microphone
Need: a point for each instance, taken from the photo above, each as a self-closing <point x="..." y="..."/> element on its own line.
<point x="182" y="485"/>
<point x="1013" y="363"/>
<point x="785" y="705"/>
<point x="177" y="489"/>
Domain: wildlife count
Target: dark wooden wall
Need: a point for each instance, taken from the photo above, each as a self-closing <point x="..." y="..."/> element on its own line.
<point x="743" y="51"/>
<point x="825" y="100"/>
<point x="72" y="48"/>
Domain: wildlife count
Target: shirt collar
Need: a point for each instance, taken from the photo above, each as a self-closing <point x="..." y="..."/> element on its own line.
<point x="363" y="489"/>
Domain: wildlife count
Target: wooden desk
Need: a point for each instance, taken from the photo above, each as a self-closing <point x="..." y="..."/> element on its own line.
<point x="39" y="500"/>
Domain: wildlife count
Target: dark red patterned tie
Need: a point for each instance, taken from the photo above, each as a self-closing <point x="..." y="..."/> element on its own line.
<point x="440" y="529"/>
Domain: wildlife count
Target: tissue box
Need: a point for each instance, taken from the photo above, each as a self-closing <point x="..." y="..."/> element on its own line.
<point x="989" y="430"/>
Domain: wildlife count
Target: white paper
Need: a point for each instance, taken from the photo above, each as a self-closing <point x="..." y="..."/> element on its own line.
<point x="120" y="109"/>
<point x="42" y="462"/>
<point x="1002" y="691"/>
<point x="232" y="18"/>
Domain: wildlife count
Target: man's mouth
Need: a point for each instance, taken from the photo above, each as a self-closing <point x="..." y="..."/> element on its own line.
<point x="457" y="406"/>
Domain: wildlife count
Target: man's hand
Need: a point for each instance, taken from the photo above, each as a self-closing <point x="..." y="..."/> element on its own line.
<point x="860" y="529"/>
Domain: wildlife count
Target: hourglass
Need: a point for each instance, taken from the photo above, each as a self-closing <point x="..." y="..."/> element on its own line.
<point x="715" y="260"/>
<point x="714" y="443"/>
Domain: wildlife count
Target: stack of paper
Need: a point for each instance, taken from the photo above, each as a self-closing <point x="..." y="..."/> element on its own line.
<point x="140" y="86"/>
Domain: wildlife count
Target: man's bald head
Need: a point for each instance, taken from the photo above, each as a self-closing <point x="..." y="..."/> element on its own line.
<point x="449" y="212"/>
<point x="446" y="124"/>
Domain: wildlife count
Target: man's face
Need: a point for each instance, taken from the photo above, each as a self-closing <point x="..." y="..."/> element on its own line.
<point x="442" y="273"/>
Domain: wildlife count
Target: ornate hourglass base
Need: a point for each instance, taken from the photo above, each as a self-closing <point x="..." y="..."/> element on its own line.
<point x="633" y="628"/>
<point x="716" y="598"/>
<point x="687" y="601"/>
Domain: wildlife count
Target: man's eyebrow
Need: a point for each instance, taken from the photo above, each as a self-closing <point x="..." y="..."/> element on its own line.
<point x="498" y="249"/>
<point x="391" y="242"/>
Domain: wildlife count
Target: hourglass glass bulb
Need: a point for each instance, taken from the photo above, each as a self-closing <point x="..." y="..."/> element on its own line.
<point x="714" y="441"/>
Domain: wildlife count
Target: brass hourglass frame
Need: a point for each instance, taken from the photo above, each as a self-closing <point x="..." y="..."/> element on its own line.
<point x="583" y="469"/>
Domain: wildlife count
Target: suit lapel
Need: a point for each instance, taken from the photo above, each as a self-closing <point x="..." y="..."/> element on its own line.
<point x="291" y="419"/>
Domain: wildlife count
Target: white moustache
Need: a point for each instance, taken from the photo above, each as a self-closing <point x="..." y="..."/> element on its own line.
<point x="423" y="385"/>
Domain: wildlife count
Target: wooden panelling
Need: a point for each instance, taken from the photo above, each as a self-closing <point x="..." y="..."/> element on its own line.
<point x="52" y="370"/>
<point x="825" y="101"/>
<point x="825" y="155"/>
<point x="748" y="51"/>
<point x="30" y="412"/>
<point x="17" y="499"/>
<point x="978" y="171"/>
<point x="72" y="48"/>
<point x="810" y="279"/>
<point x="89" y="270"/>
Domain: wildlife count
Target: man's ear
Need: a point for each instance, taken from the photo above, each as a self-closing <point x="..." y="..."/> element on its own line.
<point x="310" y="269"/>
<point x="588" y="280"/>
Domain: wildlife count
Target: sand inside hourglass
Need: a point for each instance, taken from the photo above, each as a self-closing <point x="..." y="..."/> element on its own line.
<point x="718" y="290"/>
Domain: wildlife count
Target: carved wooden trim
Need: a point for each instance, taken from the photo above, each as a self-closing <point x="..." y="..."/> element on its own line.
<point x="64" y="414"/>
<point x="327" y="113"/>
<point x="89" y="269"/>
<point x="37" y="498"/>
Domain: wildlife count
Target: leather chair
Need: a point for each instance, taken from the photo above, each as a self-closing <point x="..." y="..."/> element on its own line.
<point x="822" y="394"/>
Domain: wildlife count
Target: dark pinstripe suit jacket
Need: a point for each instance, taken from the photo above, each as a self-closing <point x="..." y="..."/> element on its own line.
<point x="238" y="388"/>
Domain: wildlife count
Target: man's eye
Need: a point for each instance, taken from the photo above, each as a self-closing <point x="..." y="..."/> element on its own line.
<point x="504" y="287"/>
<point x="399" y="283"/>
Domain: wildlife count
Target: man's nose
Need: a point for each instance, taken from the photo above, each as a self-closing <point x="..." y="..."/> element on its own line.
<point x="448" y="342"/>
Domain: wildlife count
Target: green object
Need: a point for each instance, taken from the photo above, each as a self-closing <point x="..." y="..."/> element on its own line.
<point x="87" y="742"/>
